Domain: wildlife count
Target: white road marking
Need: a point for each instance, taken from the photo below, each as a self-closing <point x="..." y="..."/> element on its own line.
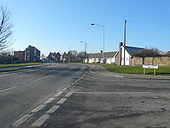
<point x="40" y="107"/>
<point x="28" y="66"/>
<point x="53" y="109"/>
<point x="49" y="100"/>
<point x="22" y="120"/>
<point x="69" y="86"/>
<point x="40" y="121"/>
<point x="62" y="101"/>
<point x="8" y="89"/>
<point x="58" y="93"/>
<point x="80" y="78"/>
<point x="118" y="76"/>
<point x="42" y="78"/>
<point x="69" y="94"/>
<point x="7" y="74"/>
<point x="64" y="89"/>
<point x="114" y="92"/>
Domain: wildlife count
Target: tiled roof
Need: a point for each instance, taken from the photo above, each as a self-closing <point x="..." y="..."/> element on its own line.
<point x="100" y="55"/>
<point x="132" y="50"/>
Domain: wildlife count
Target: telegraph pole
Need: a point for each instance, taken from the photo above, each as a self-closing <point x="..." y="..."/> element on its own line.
<point x="124" y="40"/>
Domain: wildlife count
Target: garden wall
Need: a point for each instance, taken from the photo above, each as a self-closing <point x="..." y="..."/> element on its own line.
<point x="161" y="61"/>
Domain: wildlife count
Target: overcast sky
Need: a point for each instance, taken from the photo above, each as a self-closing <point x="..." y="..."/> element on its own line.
<point x="60" y="25"/>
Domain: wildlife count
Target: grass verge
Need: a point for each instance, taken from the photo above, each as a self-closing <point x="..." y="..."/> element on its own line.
<point x="137" y="70"/>
<point x="17" y="65"/>
<point x="132" y="69"/>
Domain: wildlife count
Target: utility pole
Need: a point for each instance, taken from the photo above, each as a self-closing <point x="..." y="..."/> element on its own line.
<point x="124" y="40"/>
<point x="85" y="50"/>
<point x="103" y="40"/>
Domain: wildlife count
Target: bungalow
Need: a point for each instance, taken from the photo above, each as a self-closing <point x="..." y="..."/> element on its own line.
<point x="129" y="52"/>
<point x="98" y="57"/>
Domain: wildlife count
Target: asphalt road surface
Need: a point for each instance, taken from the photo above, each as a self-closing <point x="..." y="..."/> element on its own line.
<point x="81" y="96"/>
<point x="23" y="90"/>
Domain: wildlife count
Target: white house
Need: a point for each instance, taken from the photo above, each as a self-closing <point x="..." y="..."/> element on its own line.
<point x="98" y="57"/>
<point x="129" y="52"/>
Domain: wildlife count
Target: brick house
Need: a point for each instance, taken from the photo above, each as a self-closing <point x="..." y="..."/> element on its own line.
<point x="32" y="54"/>
<point x="54" y="57"/>
<point x="20" y="55"/>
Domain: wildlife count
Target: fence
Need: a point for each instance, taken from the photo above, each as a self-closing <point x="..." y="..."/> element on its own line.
<point x="161" y="61"/>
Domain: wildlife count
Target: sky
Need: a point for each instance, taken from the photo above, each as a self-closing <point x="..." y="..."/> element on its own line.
<point x="61" y="25"/>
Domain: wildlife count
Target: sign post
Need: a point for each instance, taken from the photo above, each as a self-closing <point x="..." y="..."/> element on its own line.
<point x="150" y="67"/>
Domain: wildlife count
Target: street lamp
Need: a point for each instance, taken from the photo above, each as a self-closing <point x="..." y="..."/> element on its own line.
<point x="103" y="38"/>
<point x="85" y="50"/>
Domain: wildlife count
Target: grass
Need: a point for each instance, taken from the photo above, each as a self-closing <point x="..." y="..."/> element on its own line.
<point x="137" y="70"/>
<point x="90" y="63"/>
<point x="132" y="69"/>
<point x="17" y="65"/>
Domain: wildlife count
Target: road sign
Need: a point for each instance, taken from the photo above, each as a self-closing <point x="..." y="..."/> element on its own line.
<point x="150" y="67"/>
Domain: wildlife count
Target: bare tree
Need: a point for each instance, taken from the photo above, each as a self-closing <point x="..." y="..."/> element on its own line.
<point x="153" y="52"/>
<point x="5" y="28"/>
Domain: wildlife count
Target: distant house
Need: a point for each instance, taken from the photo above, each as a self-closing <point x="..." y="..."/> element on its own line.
<point x="129" y="52"/>
<point x="54" y="57"/>
<point x="32" y="54"/>
<point x="64" y="57"/>
<point x="98" y="57"/>
<point x="20" y="55"/>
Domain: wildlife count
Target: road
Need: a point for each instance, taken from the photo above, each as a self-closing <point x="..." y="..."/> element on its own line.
<point x="23" y="90"/>
<point x="105" y="100"/>
<point x="81" y="96"/>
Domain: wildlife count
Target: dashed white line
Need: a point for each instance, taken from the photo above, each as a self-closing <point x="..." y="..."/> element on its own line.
<point x="58" y="93"/>
<point x="69" y="94"/>
<point x="64" y="89"/>
<point x="42" y="78"/>
<point x="7" y="74"/>
<point x="113" y="93"/>
<point x="40" y="121"/>
<point x="62" y="101"/>
<point x="40" y="107"/>
<point x="118" y="76"/>
<point x="8" y="89"/>
<point x="49" y="100"/>
<point x="21" y="120"/>
<point x="53" y="109"/>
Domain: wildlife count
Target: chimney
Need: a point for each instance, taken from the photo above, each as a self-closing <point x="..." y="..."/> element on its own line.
<point x="120" y="44"/>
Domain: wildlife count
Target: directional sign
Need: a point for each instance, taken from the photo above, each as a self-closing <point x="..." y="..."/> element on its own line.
<point x="150" y="66"/>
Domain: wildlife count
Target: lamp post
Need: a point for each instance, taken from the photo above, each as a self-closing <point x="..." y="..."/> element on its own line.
<point x="103" y="38"/>
<point x="85" y="50"/>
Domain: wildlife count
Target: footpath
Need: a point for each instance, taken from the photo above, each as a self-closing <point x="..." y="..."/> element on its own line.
<point x="134" y="76"/>
<point x="16" y="68"/>
<point x="137" y="76"/>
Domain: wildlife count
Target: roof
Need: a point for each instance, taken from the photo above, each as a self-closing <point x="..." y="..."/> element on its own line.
<point x="132" y="50"/>
<point x="100" y="55"/>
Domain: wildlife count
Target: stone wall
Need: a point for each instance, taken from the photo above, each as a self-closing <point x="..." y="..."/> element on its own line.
<point x="161" y="61"/>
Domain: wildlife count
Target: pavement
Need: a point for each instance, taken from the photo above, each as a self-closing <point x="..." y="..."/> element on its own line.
<point x="8" y="69"/>
<point x="137" y="76"/>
